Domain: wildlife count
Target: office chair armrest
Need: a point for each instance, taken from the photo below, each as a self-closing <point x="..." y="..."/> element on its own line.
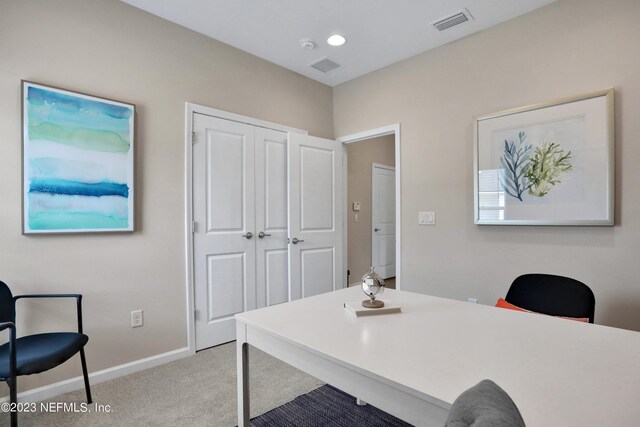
<point x="48" y="296"/>
<point x="78" y="298"/>
<point x="5" y="325"/>
<point x="12" y="346"/>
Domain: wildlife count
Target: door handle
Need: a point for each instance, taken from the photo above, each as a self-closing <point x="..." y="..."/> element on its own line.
<point x="377" y="229"/>
<point x="262" y="235"/>
<point x="295" y="241"/>
<point x="248" y="235"/>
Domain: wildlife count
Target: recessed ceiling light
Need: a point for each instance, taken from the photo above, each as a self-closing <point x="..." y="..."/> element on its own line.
<point x="336" y="40"/>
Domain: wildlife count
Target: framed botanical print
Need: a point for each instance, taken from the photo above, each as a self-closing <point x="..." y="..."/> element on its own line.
<point x="546" y="164"/>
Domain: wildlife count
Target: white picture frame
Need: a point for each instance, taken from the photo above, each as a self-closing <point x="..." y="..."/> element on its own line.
<point x="77" y="162"/>
<point x="546" y="164"/>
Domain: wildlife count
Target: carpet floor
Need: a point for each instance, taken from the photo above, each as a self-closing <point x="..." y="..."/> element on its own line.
<point x="199" y="390"/>
<point x="326" y="407"/>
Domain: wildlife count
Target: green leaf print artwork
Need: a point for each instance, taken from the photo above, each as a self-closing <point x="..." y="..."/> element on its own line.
<point x="547" y="164"/>
<point x="530" y="169"/>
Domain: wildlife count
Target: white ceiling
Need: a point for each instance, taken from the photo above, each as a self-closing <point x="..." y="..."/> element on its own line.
<point x="378" y="32"/>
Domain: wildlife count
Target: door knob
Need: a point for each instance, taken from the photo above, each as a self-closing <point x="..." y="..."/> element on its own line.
<point x="377" y="229"/>
<point x="262" y="235"/>
<point x="295" y="241"/>
<point x="248" y="235"/>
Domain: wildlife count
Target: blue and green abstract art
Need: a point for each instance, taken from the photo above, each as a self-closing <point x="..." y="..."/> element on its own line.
<point x="77" y="162"/>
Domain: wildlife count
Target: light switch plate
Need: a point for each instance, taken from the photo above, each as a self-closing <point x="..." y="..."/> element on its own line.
<point x="356" y="206"/>
<point x="427" y="218"/>
<point x="137" y="319"/>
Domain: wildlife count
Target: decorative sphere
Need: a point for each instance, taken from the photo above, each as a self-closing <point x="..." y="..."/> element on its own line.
<point x="372" y="284"/>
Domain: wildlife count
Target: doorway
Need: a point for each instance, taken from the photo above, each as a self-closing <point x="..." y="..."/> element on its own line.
<point x="372" y="204"/>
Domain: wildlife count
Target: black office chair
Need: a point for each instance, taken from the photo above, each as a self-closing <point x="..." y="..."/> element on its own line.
<point x="36" y="353"/>
<point x="553" y="295"/>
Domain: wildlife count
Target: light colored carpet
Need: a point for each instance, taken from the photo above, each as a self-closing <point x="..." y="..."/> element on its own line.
<point x="195" y="391"/>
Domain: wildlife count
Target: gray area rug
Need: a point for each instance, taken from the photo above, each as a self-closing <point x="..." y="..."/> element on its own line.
<point x="326" y="407"/>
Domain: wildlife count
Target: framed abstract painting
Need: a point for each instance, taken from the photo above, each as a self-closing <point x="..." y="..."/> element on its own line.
<point x="77" y="162"/>
<point x="546" y="164"/>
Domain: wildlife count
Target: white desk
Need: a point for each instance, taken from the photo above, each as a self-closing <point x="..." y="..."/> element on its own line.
<point x="415" y="363"/>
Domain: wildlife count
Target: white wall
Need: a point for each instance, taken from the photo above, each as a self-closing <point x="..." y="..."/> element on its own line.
<point x="107" y="48"/>
<point x="566" y="48"/>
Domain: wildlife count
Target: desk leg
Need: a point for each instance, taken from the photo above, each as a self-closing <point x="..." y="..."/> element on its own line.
<point x="242" y="349"/>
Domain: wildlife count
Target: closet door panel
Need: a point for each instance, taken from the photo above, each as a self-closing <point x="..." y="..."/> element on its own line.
<point x="224" y="213"/>
<point x="271" y="217"/>
<point x="315" y="215"/>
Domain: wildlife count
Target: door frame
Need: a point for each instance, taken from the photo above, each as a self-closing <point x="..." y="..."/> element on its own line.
<point x="393" y="129"/>
<point x="190" y="110"/>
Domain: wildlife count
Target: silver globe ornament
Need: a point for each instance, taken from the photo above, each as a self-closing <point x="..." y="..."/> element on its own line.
<point x="372" y="286"/>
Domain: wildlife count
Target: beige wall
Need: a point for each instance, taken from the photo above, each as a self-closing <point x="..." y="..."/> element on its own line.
<point x="107" y="48"/>
<point x="360" y="156"/>
<point x="566" y="48"/>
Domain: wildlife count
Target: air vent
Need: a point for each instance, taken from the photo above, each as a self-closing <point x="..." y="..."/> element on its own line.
<point x="453" y="20"/>
<point x="325" y="65"/>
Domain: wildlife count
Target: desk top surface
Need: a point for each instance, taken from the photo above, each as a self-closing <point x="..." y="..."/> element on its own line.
<point x="558" y="372"/>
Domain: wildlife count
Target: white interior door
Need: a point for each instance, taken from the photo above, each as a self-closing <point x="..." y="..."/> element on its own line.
<point x="383" y="220"/>
<point x="224" y="215"/>
<point x="271" y="217"/>
<point x="315" y="215"/>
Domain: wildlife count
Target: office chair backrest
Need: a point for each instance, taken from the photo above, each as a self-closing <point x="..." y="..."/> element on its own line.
<point x="553" y="295"/>
<point x="6" y="304"/>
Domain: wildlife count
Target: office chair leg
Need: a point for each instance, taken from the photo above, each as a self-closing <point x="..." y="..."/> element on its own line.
<point x="87" y="387"/>
<point x="13" y="398"/>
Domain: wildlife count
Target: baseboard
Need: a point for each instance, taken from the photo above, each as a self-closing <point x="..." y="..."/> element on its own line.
<point x="77" y="383"/>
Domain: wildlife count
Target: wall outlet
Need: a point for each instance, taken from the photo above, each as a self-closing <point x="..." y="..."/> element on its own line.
<point x="136" y="319"/>
<point x="473" y="300"/>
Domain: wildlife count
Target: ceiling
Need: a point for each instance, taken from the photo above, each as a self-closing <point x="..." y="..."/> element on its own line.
<point x="378" y="32"/>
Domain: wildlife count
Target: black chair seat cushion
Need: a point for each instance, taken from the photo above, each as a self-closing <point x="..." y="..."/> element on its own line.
<point x="41" y="352"/>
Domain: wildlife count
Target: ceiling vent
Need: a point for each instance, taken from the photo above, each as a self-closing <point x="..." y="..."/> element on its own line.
<point x="453" y="20"/>
<point x="325" y="65"/>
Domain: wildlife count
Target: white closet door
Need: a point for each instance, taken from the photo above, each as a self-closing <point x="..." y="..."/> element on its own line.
<point x="271" y="217"/>
<point x="224" y="213"/>
<point x="315" y="215"/>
